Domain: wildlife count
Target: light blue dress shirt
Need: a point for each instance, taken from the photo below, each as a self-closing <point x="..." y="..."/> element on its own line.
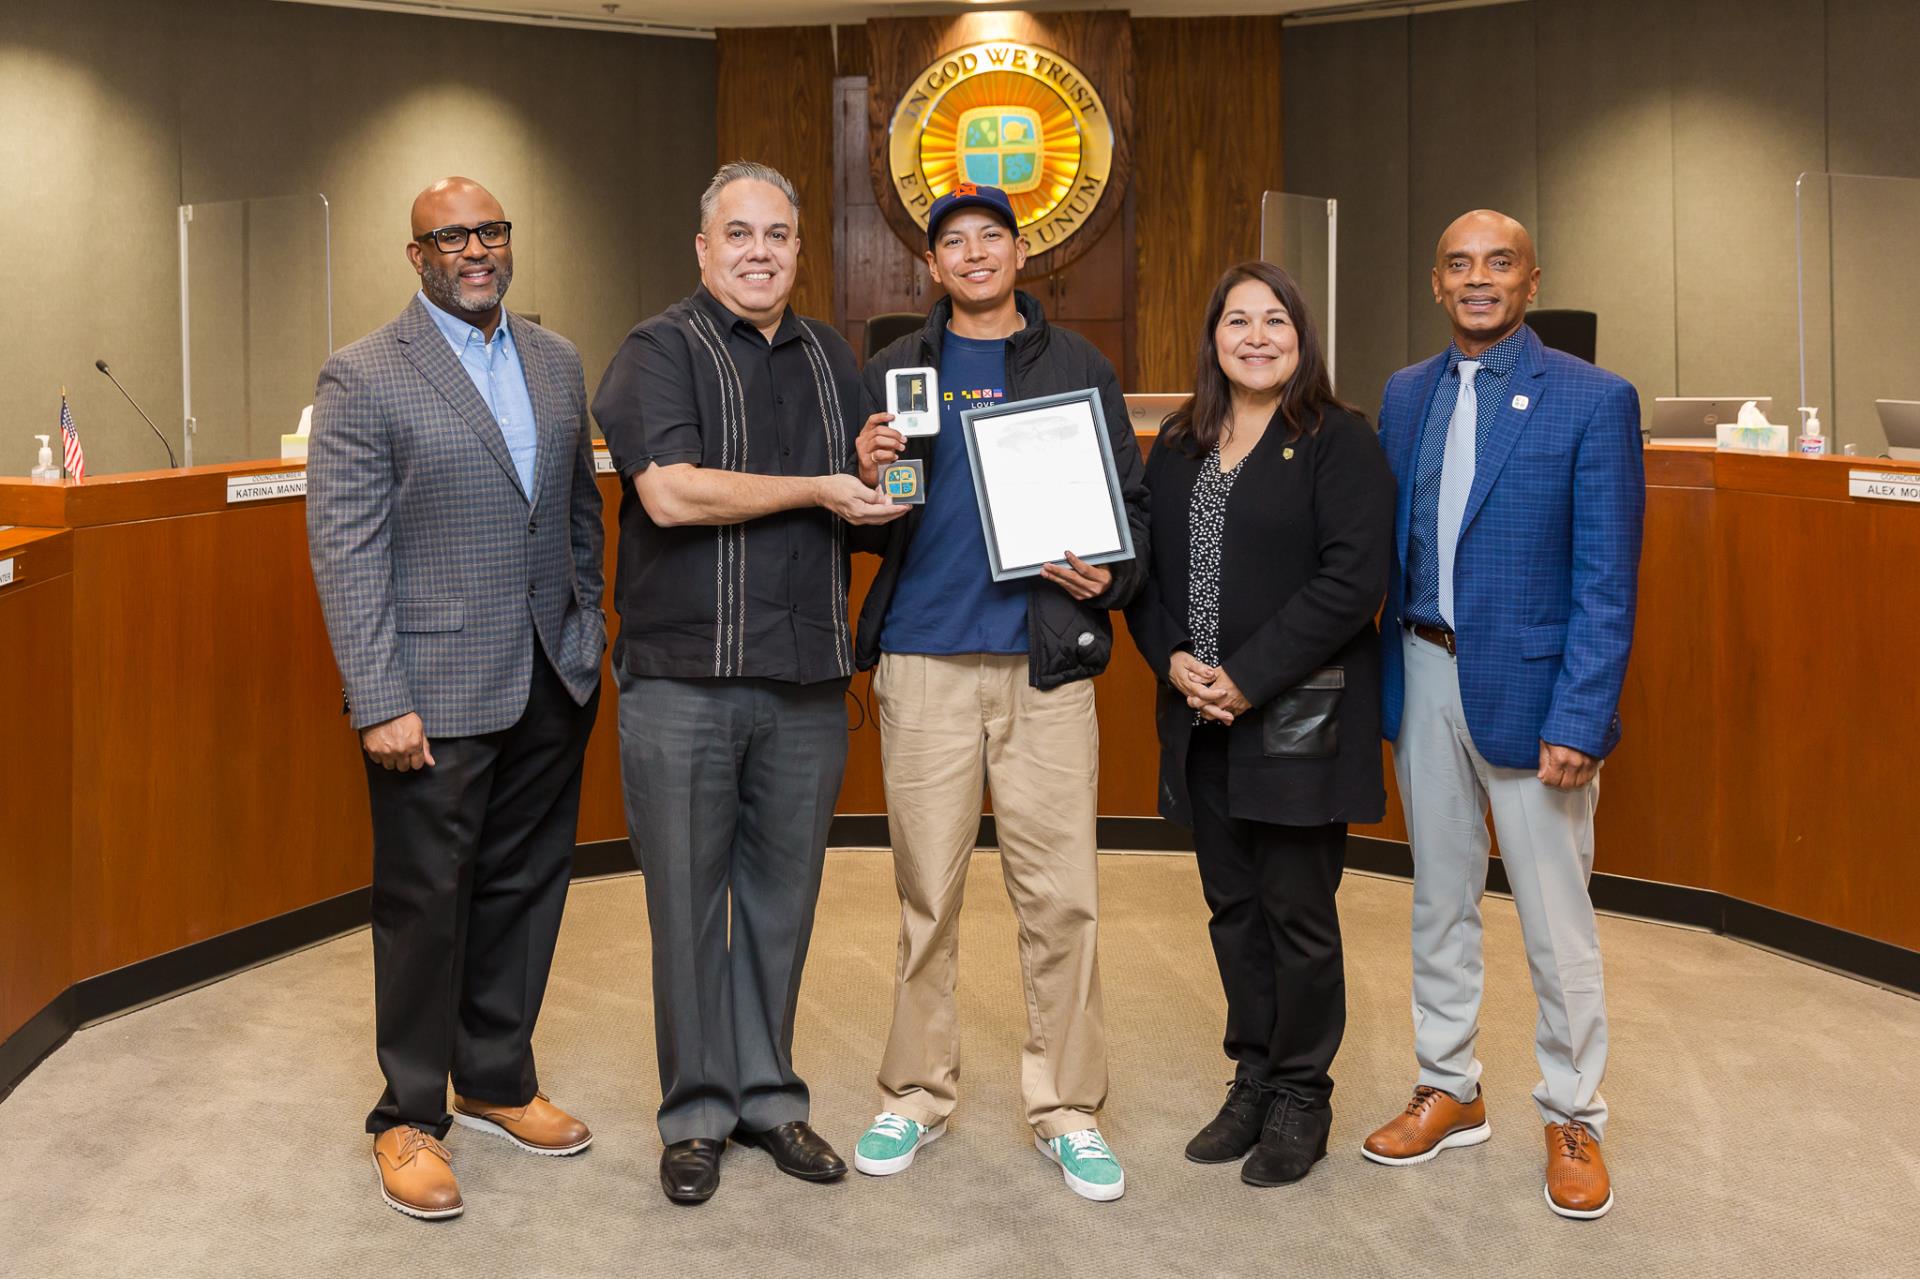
<point x="500" y="378"/>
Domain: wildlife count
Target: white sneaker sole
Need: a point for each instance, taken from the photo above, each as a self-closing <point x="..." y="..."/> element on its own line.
<point x="1465" y="1137"/>
<point x="1575" y="1213"/>
<point x="1085" y="1189"/>
<point x="419" y="1214"/>
<point x="899" y="1163"/>
<point x="495" y="1130"/>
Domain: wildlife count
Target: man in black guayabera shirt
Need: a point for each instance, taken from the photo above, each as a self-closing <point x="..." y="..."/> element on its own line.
<point x="732" y="421"/>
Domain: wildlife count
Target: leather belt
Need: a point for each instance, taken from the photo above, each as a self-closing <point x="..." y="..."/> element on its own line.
<point x="1434" y="635"/>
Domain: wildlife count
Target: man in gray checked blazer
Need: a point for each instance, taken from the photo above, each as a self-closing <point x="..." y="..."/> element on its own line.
<point x="454" y="528"/>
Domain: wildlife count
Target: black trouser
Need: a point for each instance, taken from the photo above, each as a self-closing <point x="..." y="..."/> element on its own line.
<point x="471" y="859"/>
<point x="1275" y="928"/>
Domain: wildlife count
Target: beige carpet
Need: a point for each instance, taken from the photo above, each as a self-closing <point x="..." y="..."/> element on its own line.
<point x="1762" y="1121"/>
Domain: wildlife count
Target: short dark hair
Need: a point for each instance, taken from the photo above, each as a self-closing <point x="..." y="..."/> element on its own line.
<point x="1195" y="427"/>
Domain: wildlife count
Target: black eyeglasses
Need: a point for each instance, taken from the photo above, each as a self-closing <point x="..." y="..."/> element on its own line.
<point x="452" y="239"/>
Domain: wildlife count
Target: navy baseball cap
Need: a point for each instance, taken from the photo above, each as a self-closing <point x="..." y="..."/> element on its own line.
<point x="969" y="196"/>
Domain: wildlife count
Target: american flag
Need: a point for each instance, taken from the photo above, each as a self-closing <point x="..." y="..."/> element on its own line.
<point x="70" y="440"/>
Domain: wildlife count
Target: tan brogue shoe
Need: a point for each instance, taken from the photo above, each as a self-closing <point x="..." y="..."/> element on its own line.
<point x="1432" y="1122"/>
<point x="1577" y="1181"/>
<point x="539" y="1127"/>
<point x="416" y="1174"/>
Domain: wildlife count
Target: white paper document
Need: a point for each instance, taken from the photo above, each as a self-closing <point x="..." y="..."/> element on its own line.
<point x="1044" y="486"/>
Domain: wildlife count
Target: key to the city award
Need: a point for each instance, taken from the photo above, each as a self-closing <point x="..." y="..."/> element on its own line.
<point x="903" y="481"/>
<point x="913" y="397"/>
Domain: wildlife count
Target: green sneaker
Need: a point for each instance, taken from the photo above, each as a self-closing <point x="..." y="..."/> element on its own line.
<point x="1087" y="1162"/>
<point x="889" y="1146"/>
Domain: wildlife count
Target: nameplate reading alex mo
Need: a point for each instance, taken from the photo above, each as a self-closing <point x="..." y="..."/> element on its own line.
<point x="1008" y="114"/>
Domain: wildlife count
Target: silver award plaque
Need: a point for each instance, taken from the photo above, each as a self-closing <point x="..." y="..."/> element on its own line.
<point x="913" y="397"/>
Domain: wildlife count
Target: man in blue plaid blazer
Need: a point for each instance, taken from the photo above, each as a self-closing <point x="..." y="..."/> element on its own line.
<point x="454" y="527"/>
<point x="1507" y="624"/>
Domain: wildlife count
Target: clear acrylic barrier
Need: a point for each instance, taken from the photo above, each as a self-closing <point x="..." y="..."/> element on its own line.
<point x="1858" y="242"/>
<point x="1300" y="234"/>
<point x="256" y="322"/>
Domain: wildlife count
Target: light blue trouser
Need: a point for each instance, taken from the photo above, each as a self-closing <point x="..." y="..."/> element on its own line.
<point x="1546" y="845"/>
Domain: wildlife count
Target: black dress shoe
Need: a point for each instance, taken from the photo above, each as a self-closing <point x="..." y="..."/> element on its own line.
<point x="797" y="1150"/>
<point x="690" y="1170"/>
<point x="1292" y="1142"/>
<point x="1236" y="1128"/>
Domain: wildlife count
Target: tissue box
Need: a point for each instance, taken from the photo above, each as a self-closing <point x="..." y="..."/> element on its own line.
<point x="294" y="447"/>
<point x="1762" y="439"/>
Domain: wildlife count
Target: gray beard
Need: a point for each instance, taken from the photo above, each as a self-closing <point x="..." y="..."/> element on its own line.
<point x="444" y="288"/>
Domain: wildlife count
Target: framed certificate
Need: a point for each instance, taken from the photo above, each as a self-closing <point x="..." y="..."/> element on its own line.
<point x="1044" y="474"/>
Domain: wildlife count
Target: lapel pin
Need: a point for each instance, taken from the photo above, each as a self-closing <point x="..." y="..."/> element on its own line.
<point x="1520" y="402"/>
<point x="1286" y="455"/>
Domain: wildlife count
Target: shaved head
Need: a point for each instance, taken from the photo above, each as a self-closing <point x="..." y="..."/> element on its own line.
<point x="1485" y="273"/>
<point x="433" y="206"/>
<point x="466" y="280"/>
<point x="1488" y="224"/>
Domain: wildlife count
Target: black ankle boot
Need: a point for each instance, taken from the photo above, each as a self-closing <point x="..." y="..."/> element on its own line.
<point x="1236" y="1128"/>
<point x="1292" y="1141"/>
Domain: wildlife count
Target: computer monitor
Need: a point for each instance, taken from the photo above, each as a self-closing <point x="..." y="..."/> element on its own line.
<point x="1900" y="419"/>
<point x="1146" y="412"/>
<point x="1693" y="419"/>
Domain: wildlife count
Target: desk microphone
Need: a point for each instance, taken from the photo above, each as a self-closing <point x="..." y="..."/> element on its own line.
<point x="102" y="366"/>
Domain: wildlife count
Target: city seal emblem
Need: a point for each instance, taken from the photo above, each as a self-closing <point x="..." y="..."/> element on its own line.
<point x="1008" y="114"/>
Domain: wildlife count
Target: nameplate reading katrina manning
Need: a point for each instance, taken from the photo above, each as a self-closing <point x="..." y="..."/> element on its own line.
<point x="602" y="462"/>
<point x="263" y="488"/>
<point x="6" y="571"/>
<point x="1886" y="486"/>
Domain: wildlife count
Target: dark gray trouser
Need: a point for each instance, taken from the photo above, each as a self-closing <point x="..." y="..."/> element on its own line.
<point x="730" y="786"/>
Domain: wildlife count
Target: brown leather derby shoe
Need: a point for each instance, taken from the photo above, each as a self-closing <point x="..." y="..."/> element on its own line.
<point x="1577" y="1181"/>
<point x="416" y="1174"/>
<point x="539" y="1127"/>
<point x="1432" y="1122"/>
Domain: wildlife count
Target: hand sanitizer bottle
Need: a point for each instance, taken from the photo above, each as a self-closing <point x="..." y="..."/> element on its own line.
<point x="1811" y="441"/>
<point x="44" y="471"/>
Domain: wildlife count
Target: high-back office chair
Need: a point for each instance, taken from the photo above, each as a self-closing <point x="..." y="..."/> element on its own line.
<point x="1574" y="332"/>
<point x="890" y="326"/>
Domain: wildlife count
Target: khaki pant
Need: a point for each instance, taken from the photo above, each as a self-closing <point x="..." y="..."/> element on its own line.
<point x="1041" y="753"/>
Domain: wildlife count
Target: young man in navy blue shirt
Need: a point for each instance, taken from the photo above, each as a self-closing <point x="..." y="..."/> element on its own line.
<point x="978" y="681"/>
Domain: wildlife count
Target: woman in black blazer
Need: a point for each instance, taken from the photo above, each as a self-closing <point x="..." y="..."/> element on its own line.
<point x="1272" y="510"/>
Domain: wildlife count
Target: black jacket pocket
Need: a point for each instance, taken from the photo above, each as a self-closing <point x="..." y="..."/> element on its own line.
<point x="1304" y="721"/>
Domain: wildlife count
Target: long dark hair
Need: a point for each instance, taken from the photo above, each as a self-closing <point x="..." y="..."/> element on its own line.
<point x="1196" y="426"/>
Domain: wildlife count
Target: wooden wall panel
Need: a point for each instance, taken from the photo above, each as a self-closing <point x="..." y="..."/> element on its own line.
<point x="216" y="782"/>
<point x="774" y="91"/>
<point x="603" y="813"/>
<point x="1654" y="820"/>
<point x="1208" y="145"/>
<point x="1815" y="654"/>
<point x="36" y="635"/>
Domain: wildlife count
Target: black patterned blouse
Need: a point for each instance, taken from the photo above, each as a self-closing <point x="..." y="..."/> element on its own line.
<point x="1206" y="530"/>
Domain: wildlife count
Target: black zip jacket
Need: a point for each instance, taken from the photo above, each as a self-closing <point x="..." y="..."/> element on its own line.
<point x="1066" y="640"/>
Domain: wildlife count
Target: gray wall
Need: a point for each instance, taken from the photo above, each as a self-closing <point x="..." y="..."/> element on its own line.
<point x="1652" y="147"/>
<point x="113" y="112"/>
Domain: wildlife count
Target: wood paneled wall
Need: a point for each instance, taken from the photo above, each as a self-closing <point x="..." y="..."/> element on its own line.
<point x="774" y="87"/>
<point x="36" y="811"/>
<point x="1204" y="143"/>
<point x="1208" y="145"/>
